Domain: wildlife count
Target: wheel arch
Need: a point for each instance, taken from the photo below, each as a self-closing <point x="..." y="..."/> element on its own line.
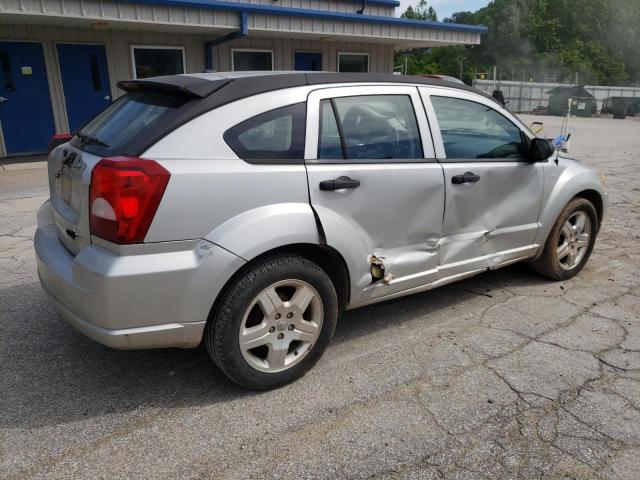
<point x="558" y="200"/>
<point x="326" y="257"/>
<point x="573" y="180"/>
<point x="596" y="199"/>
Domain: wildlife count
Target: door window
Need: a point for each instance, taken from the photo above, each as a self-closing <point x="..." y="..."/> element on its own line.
<point x="7" y="74"/>
<point x="329" y="144"/>
<point x="473" y="130"/>
<point x="374" y="127"/>
<point x="95" y="72"/>
<point x="274" y="135"/>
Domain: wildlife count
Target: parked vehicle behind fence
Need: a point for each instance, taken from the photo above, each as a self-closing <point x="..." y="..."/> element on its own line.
<point x="247" y="211"/>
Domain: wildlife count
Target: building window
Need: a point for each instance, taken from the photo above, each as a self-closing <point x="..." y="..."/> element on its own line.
<point x="156" y="61"/>
<point x="249" y="60"/>
<point x="353" y="62"/>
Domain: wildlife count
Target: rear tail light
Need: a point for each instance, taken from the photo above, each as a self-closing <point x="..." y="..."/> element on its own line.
<point x="124" y="196"/>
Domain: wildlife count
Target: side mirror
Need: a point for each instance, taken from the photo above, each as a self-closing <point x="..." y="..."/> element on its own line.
<point x="540" y="149"/>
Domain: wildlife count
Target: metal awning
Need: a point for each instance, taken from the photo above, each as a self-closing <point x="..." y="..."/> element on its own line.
<point x="219" y="17"/>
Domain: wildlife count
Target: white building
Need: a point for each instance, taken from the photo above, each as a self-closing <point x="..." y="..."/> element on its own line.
<point x="60" y="60"/>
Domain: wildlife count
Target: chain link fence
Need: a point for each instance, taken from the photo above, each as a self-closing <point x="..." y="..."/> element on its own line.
<point x="526" y="96"/>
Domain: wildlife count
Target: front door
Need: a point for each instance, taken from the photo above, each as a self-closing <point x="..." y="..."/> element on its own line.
<point x="308" y="61"/>
<point x="493" y="193"/>
<point x="25" y="105"/>
<point x="375" y="185"/>
<point x="85" y="81"/>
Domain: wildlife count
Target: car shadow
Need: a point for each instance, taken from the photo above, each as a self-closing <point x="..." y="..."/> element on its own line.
<point x="52" y="374"/>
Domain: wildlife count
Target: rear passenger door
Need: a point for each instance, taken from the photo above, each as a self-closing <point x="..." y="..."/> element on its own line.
<point x="493" y="192"/>
<point x="375" y="184"/>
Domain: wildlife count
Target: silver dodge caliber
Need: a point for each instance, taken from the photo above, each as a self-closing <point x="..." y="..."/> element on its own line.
<point x="246" y="211"/>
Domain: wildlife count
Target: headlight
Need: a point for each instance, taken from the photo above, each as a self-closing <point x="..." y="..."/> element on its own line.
<point x="603" y="179"/>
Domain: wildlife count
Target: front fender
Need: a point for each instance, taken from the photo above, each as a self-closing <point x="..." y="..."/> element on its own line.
<point x="261" y="229"/>
<point x="563" y="182"/>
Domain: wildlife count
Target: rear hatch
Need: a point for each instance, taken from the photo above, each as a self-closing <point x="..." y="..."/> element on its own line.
<point x="114" y="132"/>
<point x="69" y="179"/>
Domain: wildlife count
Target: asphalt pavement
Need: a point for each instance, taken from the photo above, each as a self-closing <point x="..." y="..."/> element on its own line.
<point x="506" y="375"/>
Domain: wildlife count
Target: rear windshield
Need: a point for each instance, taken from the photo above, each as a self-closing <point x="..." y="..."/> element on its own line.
<point x="135" y="114"/>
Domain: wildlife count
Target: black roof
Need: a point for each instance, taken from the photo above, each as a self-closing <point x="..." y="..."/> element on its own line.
<point x="234" y="86"/>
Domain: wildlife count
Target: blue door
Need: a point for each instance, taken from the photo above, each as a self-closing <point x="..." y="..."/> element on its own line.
<point x="85" y="81"/>
<point x="25" y="104"/>
<point x="308" y="61"/>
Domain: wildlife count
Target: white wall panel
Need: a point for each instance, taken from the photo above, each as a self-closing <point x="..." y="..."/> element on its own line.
<point x="113" y="11"/>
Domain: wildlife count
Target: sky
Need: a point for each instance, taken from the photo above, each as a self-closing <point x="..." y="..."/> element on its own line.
<point x="445" y="8"/>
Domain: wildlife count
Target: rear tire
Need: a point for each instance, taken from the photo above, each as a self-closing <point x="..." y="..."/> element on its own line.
<point x="570" y="242"/>
<point x="273" y="322"/>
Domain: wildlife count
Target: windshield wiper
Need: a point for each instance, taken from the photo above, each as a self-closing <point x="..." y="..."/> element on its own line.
<point x="91" y="140"/>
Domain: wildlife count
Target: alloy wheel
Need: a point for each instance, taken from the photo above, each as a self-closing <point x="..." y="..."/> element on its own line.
<point x="281" y="325"/>
<point x="574" y="240"/>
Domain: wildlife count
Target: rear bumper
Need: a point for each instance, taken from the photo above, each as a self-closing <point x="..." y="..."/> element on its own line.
<point x="154" y="300"/>
<point x="183" y="335"/>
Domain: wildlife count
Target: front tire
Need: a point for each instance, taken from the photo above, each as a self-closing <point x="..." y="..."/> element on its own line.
<point x="570" y="242"/>
<point x="273" y="322"/>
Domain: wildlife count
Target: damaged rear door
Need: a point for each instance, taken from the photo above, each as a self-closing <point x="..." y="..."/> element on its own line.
<point x="375" y="185"/>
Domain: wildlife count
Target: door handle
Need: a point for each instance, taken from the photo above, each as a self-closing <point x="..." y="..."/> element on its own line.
<point x="107" y="97"/>
<point x="467" y="177"/>
<point x="3" y="99"/>
<point x="339" y="184"/>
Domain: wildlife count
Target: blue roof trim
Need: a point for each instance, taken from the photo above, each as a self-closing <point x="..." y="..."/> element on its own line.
<point x="314" y="14"/>
<point x="386" y="3"/>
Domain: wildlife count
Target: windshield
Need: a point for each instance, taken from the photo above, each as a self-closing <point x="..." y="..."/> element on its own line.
<point x="130" y="116"/>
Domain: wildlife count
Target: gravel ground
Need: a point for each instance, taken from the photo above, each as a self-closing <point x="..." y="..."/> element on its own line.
<point x="505" y="375"/>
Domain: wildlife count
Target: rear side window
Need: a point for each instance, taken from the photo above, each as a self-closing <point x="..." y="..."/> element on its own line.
<point x="372" y="127"/>
<point x="276" y="136"/>
<point x="473" y="130"/>
<point x="133" y="115"/>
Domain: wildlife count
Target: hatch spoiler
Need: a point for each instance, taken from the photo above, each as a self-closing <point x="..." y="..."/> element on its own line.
<point x="183" y="84"/>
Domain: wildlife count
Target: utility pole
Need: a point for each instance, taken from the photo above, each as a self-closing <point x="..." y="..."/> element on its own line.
<point x="520" y="94"/>
<point x="495" y="69"/>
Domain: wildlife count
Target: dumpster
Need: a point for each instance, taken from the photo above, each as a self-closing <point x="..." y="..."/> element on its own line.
<point x="620" y="107"/>
<point x="583" y="104"/>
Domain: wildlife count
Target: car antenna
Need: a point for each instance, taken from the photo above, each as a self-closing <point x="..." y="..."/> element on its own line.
<point x="561" y="142"/>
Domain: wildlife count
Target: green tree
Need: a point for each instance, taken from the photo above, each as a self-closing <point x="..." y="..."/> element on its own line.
<point x="423" y="11"/>
<point x="598" y="39"/>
